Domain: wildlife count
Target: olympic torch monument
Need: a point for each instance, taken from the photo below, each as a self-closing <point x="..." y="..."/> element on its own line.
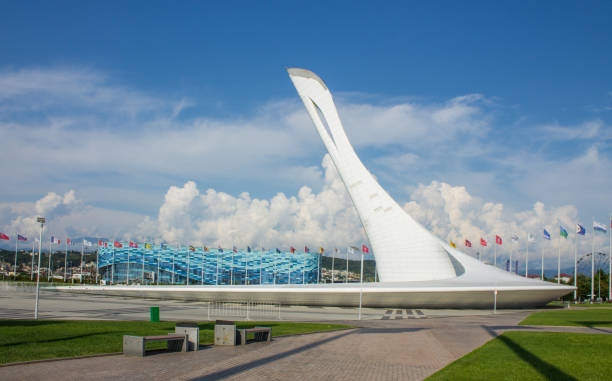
<point x="416" y="268"/>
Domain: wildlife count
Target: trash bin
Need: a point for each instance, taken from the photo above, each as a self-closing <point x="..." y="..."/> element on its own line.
<point x="225" y="332"/>
<point x="155" y="314"/>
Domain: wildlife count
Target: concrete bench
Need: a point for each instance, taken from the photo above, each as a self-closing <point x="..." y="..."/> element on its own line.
<point x="261" y="334"/>
<point x="135" y="345"/>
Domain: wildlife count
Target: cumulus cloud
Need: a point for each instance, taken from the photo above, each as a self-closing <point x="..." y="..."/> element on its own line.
<point x="326" y="218"/>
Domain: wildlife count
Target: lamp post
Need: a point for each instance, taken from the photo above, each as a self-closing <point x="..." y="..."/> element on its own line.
<point x="40" y="220"/>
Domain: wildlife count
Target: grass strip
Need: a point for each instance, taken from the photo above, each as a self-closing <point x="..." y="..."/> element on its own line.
<point x="26" y="340"/>
<point x="535" y="356"/>
<point x="592" y="317"/>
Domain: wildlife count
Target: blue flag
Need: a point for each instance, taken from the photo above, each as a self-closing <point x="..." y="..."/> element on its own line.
<point x="21" y="238"/>
<point x="599" y="227"/>
<point x="249" y="249"/>
<point x="562" y="232"/>
<point x="546" y="235"/>
<point x="278" y="251"/>
<point x="580" y="229"/>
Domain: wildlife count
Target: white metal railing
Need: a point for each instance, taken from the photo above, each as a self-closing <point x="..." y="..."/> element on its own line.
<point x="246" y="310"/>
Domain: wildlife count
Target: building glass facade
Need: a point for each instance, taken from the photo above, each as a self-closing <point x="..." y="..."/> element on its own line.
<point x="195" y="266"/>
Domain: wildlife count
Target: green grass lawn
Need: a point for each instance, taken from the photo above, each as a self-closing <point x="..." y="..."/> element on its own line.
<point x="585" y="305"/>
<point x="591" y="317"/>
<point x="23" y="340"/>
<point x="535" y="356"/>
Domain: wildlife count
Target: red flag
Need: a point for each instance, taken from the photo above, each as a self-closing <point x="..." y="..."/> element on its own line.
<point x="498" y="240"/>
<point x="100" y="243"/>
<point x="4" y="236"/>
<point x="68" y="241"/>
<point x="483" y="242"/>
<point x="105" y="244"/>
<point x="117" y="244"/>
<point x="58" y="241"/>
<point x="365" y="249"/>
<point x="306" y="249"/>
<point x="292" y="249"/>
<point x="468" y="243"/>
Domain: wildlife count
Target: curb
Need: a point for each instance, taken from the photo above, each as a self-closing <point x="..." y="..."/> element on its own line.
<point x="60" y="359"/>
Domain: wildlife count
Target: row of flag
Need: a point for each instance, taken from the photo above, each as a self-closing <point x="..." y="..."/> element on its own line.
<point x="149" y="246"/>
<point x="580" y="230"/>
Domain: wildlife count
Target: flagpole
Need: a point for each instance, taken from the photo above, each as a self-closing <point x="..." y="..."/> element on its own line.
<point x="495" y="253"/>
<point x="113" y="265"/>
<point x="16" y="245"/>
<point x="593" y="261"/>
<point x="217" y="263"/>
<point x="542" y="276"/>
<point x="127" y="274"/>
<point x="347" y="253"/>
<point x="304" y="269"/>
<point x="527" y="258"/>
<point x="50" y="254"/>
<point x="575" y="266"/>
<point x="202" y="267"/>
<point x="559" y="263"/>
<point x="159" y="257"/>
<point x="66" y="260"/>
<point x="82" y="252"/>
<point x="32" y="268"/>
<point x="361" y="284"/>
<point x="188" y="263"/>
<point x="172" y="279"/>
<point x="333" y="259"/>
<point x="143" y="266"/>
<point x="610" y="260"/>
<point x="97" y="263"/>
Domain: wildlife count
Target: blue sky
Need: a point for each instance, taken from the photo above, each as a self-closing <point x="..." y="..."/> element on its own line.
<point x="511" y="101"/>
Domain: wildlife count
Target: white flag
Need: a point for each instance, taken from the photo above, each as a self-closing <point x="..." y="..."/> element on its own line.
<point x="515" y="238"/>
<point x="530" y="237"/>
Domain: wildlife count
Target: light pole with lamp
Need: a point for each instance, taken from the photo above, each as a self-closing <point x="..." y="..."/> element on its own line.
<point x="40" y="220"/>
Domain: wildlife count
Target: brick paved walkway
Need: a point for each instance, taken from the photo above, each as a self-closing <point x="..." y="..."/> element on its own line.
<point x="379" y="350"/>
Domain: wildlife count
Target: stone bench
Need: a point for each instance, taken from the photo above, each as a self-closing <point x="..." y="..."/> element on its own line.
<point x="135" y="345"/>
<point x="261" y="334"/>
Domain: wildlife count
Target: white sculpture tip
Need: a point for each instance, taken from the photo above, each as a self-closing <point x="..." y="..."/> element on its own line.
<point x="298" y="72"/>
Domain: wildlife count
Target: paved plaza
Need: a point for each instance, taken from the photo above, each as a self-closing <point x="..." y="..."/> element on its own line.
<point x="384" y="347"/>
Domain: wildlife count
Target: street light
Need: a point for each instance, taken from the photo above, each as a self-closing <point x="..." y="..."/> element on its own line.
<point x="40" y="220"/>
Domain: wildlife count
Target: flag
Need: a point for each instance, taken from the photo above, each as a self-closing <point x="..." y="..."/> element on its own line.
<point x="562" y="232"/>
<point x="132" y="244"/>
<point x="306" y="249"/>
<point x="163" y="246"/>
<point x="105" y="244"/>
<point x="546" y="235"/>
<point x="599" y="227"/>
<point x="515" y="237"/>
<point x="580" y="229"/>
<point x="468" y="243"/>
<point x="365" y="249"/>
<point x="248" y="249"/>
<point x="87" y="243"/>
<point x="205" y="248"/>
<point x="52" y="239"/>
<point x="67" y="241"/>
<point x="530" y="237"/>
<point x="148" y="246"/>
<point x="453" y="244"/>
<point x="292" y="249"/>
<point x="220" y="249"/>
<point x="277" y="251"/>
<point x="21" y="238"/>
<point x="191" y="248"/>
<point x="4" y="236"/>
<point x="234" y="249"/>
<point x="117" y="244"/>
<point x="353" y="249"/>
<point x="498" y="240"/>
<point x="321" y="250"/>
<point x="483" y="242"/>
<point x="100" y="243"/>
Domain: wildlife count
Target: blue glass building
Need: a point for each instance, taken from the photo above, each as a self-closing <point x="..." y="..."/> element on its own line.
<point x="195" y="266"/>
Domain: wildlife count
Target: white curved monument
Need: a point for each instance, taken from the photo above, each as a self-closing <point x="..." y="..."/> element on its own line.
<point x="416" y="268"/>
